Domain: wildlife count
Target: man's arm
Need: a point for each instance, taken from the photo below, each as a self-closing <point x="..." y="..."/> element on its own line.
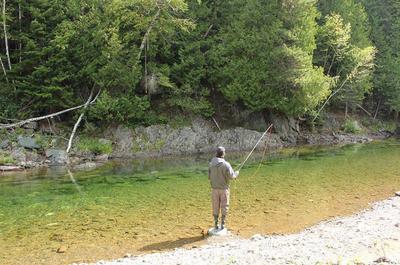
<point x="230" y="172"/>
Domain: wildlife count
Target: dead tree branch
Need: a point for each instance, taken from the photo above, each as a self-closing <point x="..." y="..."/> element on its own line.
<point x="366" y="111"/>
<point x="4" y="70"/>
<point x="20" y="123"/>
<point x="208" y="31"/>
<point x="78" y="122"/>
<point x="5" y="34"/>
<point x="146" y="35"/>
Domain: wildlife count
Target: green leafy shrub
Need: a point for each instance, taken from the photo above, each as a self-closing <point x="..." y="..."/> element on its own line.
<point x="351" y="126"/>
<point x="127" y="109"/>
<point x="6" y="159"/>
<point x="94" y="145"/>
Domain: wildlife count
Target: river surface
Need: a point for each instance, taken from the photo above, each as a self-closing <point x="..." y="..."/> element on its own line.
<point x="155" y="205"/>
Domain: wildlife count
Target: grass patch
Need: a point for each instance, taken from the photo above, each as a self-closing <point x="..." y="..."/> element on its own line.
<point x="94" y="145"/>
<point x="379" y="125"/>
<point x="6" y="159"/>
<point x="351" y="126"/>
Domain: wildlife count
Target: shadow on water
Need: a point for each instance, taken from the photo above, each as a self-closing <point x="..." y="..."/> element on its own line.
<point x="171" y="244"/>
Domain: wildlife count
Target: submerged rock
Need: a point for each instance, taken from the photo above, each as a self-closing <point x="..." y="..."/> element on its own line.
<point x="62" y="249"/>
<point x="87" y="165"/>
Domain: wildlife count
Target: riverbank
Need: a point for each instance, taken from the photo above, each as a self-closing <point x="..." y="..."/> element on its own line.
<point x="369" y="237"/>
<point x="33" y="146"/>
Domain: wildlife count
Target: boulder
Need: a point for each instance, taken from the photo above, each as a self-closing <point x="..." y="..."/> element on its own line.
<point x="103" y="157"/>
<point x="28" y="142"/>
<point x="57" y="156"/>
<point x="4" y="144"/>
<point x="31" y="125"/>
<point x="397" y="131"/>
<point x="19" y="155"/>
<point x="287" y="128"/>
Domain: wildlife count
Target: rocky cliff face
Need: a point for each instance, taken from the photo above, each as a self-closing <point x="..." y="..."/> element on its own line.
<point x="201" y="137"/>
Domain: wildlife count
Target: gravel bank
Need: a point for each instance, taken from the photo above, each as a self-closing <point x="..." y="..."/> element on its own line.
<point x="369" y="237"/>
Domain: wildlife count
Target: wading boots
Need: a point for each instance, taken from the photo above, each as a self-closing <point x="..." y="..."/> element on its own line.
<point x="223" y="222"/>
<point x="216" y="221"/>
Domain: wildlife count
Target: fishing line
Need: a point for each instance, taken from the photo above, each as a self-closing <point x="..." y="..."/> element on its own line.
<point x="254" y="148"/>
<point x="234" y="186"/>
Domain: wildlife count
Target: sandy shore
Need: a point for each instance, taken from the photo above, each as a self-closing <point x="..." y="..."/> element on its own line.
<point x="369" y="237"/>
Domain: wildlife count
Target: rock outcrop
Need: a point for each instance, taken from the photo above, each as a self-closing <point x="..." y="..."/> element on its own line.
<point x="200" y="137"/>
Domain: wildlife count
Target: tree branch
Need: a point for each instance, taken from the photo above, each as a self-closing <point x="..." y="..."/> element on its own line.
<point x="20" y="123"/>
<point x="78" y="122"/>
<point x="146" y="35"/>
<point x="5" y="34"/>
<point x="4" y="69"/>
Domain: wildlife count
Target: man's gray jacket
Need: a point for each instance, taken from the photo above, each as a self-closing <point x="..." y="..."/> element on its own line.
<point x="219" y="173"/>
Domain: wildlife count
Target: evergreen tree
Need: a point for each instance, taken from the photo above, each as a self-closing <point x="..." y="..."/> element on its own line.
<point x="384" y="16"/>
<point x="344" y="50"/>
<point x="263" y="56"/>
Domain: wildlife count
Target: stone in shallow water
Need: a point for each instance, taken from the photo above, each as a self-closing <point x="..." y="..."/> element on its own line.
<point x="218" y="232"/>
<point x="62" y="249"/>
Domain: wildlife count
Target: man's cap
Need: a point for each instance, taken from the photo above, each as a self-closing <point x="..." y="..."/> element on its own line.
<point x="220" y="149"/>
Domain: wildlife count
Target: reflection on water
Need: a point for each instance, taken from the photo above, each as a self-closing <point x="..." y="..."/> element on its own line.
<point x="146" y="205"/>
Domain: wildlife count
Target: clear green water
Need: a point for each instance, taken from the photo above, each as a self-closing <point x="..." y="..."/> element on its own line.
<point x="150" y="205"/>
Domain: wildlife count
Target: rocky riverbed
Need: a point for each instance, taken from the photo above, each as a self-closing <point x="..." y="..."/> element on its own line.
<point x="369" y="237"/>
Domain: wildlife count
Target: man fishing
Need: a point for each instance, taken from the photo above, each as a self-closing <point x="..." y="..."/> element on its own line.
<point x="220" y="172"/>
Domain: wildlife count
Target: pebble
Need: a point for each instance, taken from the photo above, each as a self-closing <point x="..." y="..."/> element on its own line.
<point x="62" y="249"/>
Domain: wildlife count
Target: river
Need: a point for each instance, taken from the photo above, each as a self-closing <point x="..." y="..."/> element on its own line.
<point x="154" y="205"/>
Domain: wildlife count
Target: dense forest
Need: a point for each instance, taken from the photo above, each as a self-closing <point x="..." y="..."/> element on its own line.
<point x="153" y="59"/>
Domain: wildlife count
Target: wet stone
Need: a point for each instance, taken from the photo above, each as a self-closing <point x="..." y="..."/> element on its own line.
<point x="62" y="249"/>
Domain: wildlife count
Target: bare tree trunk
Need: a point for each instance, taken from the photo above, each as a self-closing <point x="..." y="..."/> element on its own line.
<point x="20" y="31"/>
<point x="20" y="123"/>
<point x="5" y="34"/>
<point x="4" y="69"/>
<point x="216" y="123"/>
<point x="345" y="112"/>
<point x="366" y="111"/>
<point x="377" y="109"/>
<point x="71" y="138"/>
<point x="146" y="35"/>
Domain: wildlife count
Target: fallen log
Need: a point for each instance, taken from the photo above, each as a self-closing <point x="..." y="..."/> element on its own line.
<point x="10" y="168"/>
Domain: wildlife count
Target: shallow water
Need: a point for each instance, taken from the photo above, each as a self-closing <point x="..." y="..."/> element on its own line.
<point x="153" y="205"/>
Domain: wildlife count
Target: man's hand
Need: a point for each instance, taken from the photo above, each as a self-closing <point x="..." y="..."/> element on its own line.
<point x="237" y="173"/>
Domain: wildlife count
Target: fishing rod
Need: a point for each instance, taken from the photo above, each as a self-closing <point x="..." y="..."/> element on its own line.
<point x="254" y="148"/>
